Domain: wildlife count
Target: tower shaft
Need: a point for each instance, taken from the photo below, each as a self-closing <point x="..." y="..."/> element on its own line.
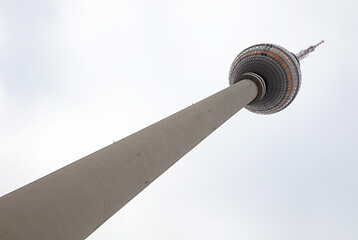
<point x="75" y="200"/>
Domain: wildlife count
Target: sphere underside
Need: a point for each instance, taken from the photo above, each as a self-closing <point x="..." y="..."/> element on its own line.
<point x="280" y="70"/>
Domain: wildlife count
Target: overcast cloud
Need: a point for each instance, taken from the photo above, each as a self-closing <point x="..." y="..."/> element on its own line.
<point x="77" y="75"/>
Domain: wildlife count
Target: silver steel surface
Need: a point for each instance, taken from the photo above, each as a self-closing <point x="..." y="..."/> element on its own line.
<point x="280" y="70"/>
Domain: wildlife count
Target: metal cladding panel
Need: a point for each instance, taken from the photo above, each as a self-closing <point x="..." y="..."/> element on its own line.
<point x="278" y="67"/>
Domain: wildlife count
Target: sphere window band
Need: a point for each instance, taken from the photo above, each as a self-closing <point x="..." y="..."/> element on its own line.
<point x="279" y="69"/>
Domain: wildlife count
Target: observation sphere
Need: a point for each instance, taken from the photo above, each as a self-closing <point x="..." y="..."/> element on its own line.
<point x="280" y="70"/>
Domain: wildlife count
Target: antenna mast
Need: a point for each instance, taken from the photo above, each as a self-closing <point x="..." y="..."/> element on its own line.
<point x="305" y="52"/>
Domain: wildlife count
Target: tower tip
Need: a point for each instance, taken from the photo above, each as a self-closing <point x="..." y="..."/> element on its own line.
<point x="305" y="52"/>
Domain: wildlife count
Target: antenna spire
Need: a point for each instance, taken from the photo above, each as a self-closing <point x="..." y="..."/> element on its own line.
<point x="305" y="52"/>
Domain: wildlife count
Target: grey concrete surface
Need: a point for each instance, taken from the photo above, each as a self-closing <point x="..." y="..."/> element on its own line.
<point x="75" y="200"/>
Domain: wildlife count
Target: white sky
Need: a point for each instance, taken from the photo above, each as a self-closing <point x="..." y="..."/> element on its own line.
<point x="77" y="75"/>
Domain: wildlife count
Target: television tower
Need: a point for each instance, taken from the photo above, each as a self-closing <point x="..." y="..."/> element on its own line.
<point x="75" y="200"/>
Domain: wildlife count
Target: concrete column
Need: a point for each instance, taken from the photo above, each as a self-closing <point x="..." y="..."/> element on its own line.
<point x="75" y="200"/>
